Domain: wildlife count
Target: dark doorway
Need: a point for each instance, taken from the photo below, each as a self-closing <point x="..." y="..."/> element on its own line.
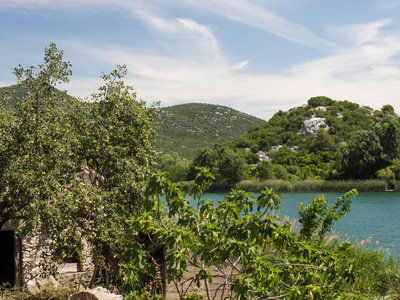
<point x="7" y="258"/>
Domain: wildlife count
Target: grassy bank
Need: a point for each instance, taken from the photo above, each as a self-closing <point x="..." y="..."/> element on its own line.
<point x="314" y="186"/>
<point x="303" y="186"/>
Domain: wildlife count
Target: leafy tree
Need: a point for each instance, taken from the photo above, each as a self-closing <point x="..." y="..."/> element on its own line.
<point x="251" y="158"/>
<point x="362" y="156"/>
<point x="227" y="165"/>
<point x="205" y="157"/>
<point x="265" y="170"/>
<point x="34" y="146"/>
<point x="257" y="255"/>
<point x="280" y="172"/>
<point x="370" y="150"/>
<point x="320" y="101"/>
<point x="388" y="131"/>
<point x="322" y="141"/>
<point x="74" y="169"/>
<point x="386" y="174"/>
<point x="230" y="166"/>
<point x="387" y="110"/>
<point x="176" y="167"/>
<point x="316" y="218"/>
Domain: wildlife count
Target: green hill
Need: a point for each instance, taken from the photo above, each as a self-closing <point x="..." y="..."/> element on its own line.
<point x="184" y="128"/>
<point x="12" y="95"/>
<point x="299" y="125"/>
<point x="180" y="129"/>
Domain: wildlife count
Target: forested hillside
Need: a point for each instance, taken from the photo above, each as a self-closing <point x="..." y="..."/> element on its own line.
<point x="323" y="139"/>
<point x="11" y="95"/>
<point x="181" y="129"/>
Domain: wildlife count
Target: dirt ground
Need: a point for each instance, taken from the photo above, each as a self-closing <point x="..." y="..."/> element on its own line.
<point x="219" y="289"/>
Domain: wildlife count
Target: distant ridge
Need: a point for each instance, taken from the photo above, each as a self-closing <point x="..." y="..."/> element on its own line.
<point x="186" y="127"/>
<point x="12" y="95"/>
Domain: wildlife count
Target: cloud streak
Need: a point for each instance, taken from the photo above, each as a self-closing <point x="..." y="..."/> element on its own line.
<point x="185" y="63"/>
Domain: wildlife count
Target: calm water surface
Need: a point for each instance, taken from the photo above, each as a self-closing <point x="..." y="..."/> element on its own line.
<point x="375" y="215"/>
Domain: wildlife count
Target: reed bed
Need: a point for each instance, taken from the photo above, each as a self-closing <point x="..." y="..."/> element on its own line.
<point x="304" y="186"/>
<point x="315" y="186"/>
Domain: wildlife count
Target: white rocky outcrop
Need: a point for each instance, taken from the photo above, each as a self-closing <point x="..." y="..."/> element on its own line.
<point x="310" y="127"/>
<point x="263" y="156"/>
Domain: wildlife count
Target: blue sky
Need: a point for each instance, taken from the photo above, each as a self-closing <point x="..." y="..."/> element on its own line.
<point x="257" y="56"/>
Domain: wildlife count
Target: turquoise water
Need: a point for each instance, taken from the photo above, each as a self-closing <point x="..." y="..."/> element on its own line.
<point x="375" y="215"/>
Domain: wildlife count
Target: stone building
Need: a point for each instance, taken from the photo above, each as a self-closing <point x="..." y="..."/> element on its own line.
<point x="26" y="261"/>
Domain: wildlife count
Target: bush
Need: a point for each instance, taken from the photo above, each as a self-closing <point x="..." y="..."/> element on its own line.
<point x="266" y="257"/>
<point x="44" y="294"/>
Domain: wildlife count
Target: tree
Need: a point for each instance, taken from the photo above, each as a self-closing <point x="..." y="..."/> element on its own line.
<point x="265" y="170"/>
<point x="74" y="169"/>
<point x="257" y="255"/>
<point x="387" y="110"/>
<point x="205" y="157"/>
<point x="361" y="157"/>
<point x="230" y="165"/>
<point x="176" y="167"/>
<point x="322" y="141"/>
<point x="320" y="101"/>
<point x="368" y="151"/>
<point x="388" y="131"/>
<point x="34" y="171"/>
<point x="227" y="165"/>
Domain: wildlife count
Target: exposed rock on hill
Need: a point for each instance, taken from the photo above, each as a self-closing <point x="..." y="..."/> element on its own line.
<point x="311" y="126"/>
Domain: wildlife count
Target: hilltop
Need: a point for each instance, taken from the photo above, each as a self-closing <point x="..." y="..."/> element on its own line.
<point x="184" y="128"/>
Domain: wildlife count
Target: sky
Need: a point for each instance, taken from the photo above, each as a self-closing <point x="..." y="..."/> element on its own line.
<point x="256" y="56"/>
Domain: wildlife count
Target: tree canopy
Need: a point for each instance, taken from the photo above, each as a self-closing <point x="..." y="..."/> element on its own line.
<point x="73" y="168"/>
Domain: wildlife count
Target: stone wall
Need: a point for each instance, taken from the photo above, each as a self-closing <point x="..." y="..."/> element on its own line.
<point x="35" y="267"/>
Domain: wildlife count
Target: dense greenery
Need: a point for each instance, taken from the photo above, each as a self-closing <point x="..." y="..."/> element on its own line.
<point x="181" y="129"/>
<point x="354" y="143"/>
<point x="46" y="293"/>
<point x="71" y="168"/>
<point x="257" y="255"/>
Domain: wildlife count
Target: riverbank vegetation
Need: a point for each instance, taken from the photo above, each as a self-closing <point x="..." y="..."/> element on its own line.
<point x="257" y="255"/>
<point x="319" y="186"/>
<point x="325" y="139"/>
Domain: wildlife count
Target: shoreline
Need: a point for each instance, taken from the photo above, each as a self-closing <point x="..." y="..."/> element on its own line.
<point x="304" y="186"/>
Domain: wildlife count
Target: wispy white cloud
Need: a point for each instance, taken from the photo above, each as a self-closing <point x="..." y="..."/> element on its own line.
<point x="189" y="37"/>
<point x="364" y="68"/>
<point x="357" y="34"/>
<point x="258" y="16"/>
<point x="367" y="74"/>
<point x="244" y="11"/>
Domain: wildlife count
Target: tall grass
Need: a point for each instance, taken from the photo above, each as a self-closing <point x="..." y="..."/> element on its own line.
<point x="281" y="186"/>
<point x="315" y="186"/>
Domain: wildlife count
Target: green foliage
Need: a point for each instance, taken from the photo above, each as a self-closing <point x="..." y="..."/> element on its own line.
<point x="322" y="141"/>
<point x="265" y="170"/>
<point x="185" y="128"/>
<point x="257" y="255"/>
<point x="316" y="218"/>
<point x="45" y="293"/>
<point x="320" y="101"/>
<point x="230" y="166"/>
<point x="75" y="169"/>
<point x="176" y="167"/>
<point x="386" y="174"/>
<point x="227" y="164"/>
<point x="370" y="150"/>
